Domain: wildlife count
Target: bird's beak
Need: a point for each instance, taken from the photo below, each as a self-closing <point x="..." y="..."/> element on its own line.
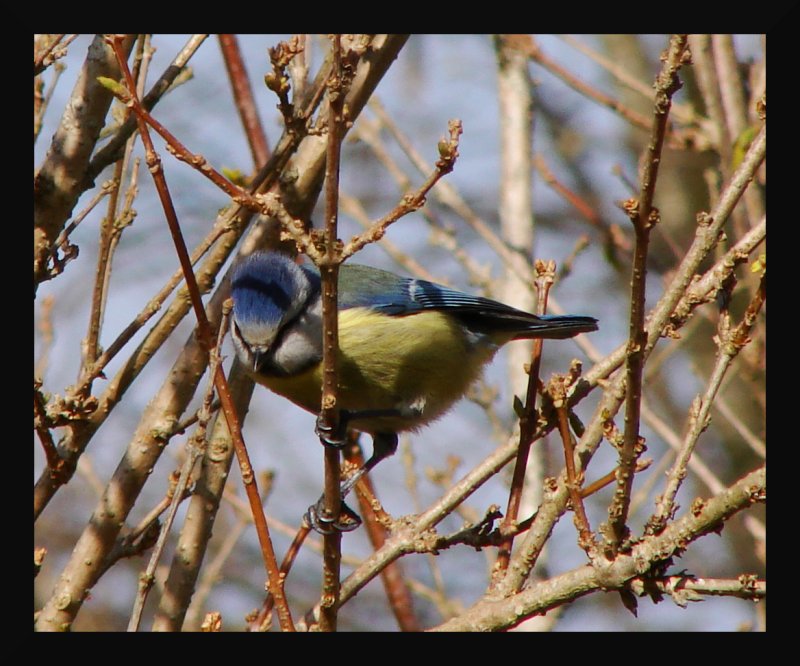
<point x="258" y="359"/>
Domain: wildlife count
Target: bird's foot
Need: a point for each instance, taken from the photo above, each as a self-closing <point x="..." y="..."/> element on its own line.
<point x="336" y="435"/>
<point x="323" y="523"/>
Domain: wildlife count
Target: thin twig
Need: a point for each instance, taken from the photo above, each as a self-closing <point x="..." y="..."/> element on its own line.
<point x="704" y="289"/>
<point x="448" y="153"/>
<point x="557" y="388"/>
<point x="298" y="66"/>
<point x="111" y="228"/>
<point x="536" y="54"/>
<point x="51" y="53"/>
<point x="644" y="216"/>
<point x="493" y="614"/>
<point x="545" y="274"/>
<point x="730" y="342"/>
<point x="243" y="97"/>
<point x="90" y="345"/>
<point x="112" y="150"/>
<point x="684" y="112"/>
<point x="195" y="447"/>
<point x="706" y="77"/>
<point x="259" y="621"/>
<point x="62" y="242"/>
<point x="42" y="103"/>
<point x="685" y="588"/>
<point x="735" y="107"/>
<point x="756" y="443"/>
<point x="614" y="238"/>
<point x="55" y="464"/>
<point x="730" y="84"/>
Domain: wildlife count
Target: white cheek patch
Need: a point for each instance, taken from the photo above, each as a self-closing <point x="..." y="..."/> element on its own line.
<point x="302" y="343"/>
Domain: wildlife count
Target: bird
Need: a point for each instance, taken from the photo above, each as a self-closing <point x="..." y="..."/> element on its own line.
<point x="409" y="349"/>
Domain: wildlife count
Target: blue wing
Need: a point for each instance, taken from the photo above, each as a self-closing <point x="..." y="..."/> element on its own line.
<point x="389" y="294"/>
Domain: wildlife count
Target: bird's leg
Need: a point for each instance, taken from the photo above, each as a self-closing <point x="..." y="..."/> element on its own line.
<point x="384" y="444"/>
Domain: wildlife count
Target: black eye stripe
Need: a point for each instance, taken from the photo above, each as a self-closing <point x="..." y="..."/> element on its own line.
<point x="266" y="358"/>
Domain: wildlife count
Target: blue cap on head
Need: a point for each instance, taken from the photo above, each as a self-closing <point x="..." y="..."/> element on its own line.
<point x="268" y="286"/>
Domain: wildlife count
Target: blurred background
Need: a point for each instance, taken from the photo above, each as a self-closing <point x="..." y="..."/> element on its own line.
<point x="580" y="145"/>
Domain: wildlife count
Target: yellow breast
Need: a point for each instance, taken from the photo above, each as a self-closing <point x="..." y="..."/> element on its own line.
<point x="418" y="364"/>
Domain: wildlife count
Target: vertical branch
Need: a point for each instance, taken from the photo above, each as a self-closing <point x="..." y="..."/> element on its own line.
<point x="545" y="272"/>
<point x="243" y="97"/>
<point x="730" y="85"/>
<point x="516" y="172"/>
<point x="89" y="351"/>
<point x="557" y="388"/>
<point x="110" y="226"/>
<point x="644" y="217"/>
<point x="329" y="411"/>
<point x="517" y="227"/>
<point x="734" y="103"/>
<point x="706" y="79"/>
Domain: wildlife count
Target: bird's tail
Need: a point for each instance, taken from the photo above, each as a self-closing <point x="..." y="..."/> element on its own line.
<point x="555" y="326"/>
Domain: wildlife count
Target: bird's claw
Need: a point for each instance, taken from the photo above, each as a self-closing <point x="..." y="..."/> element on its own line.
<point x="320" y="521"/>
<point x="335" y="436"/>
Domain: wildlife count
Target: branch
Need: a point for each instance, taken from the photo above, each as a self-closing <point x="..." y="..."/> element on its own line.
<point x="195" y="448"/>
<point x="527" y="420"/>
<point x="112" y="150"/>
<point x="243" y="97"/>
<point x="329" y="409"/>
<point x="706" y="516"/>
<point x="729" y="343"/>
<point x="644" y="217"/>
<point x="157" y="422"/>
<point x="448" y="153"/>
<point x="60" y="180"/>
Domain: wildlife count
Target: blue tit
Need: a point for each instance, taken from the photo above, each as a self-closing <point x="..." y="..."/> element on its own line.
<point x="408" y="349"/>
